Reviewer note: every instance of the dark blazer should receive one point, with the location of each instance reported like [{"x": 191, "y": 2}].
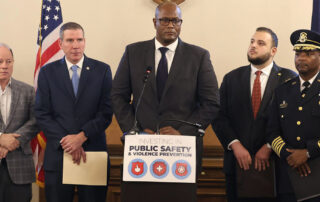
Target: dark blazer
[
  {"x": 190, "y": 93},
  {"x": 22, "y": 121},
  {"x": 236, "y": 119},
  {"x": 289, "y": 108},
  {"x": 59, "y": 112}
]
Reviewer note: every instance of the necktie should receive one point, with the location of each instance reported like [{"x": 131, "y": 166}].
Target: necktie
[
  {"x": 75, "y": 79},
  {"x": 162, "y": 72},
  {"x": 306, "y": 85},
  {"x": 256, "y": 94}
]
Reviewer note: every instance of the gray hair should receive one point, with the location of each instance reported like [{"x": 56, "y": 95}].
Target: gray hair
[{"x": 6, "y": 46}]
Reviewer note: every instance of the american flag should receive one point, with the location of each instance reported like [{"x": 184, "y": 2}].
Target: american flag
[{"x": 48, "y": 51}]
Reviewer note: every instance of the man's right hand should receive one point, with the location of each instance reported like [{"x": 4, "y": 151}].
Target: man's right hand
[
  {"x": 242, "y": 155},
  {"x": 3, "y": 152},
  {"x": 304, "y": 170},
  {"x": 9, "y": 141}
]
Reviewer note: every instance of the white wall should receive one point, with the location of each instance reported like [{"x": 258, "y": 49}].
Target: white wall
[{"x": 222, "y": 27}]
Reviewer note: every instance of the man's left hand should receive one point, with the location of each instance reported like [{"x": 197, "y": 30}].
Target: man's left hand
[
  {"x": 73, "y": 142},
  {"x": 297, "y": 157},
  {"x": 3, "y": 152},
  {"x": 261, "y": 159},
  {"x": 168, "y": 130}
]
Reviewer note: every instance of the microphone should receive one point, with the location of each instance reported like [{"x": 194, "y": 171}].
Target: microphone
[
  {"x": 135, "y": 130},
  {"x": 197, "y": 125}
]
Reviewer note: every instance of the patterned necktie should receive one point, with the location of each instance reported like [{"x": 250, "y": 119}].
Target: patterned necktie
[
  {"x": 306, "y": 85},
  {"x": 162, "y": 72},
  {"x": 256, "y": 94},
  {"x": 75, "y": 79}
]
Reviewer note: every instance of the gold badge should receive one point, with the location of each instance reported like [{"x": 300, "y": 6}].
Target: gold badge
[
  {"x": 283, "y": 104},
  {"x": 303, "y": 37}
]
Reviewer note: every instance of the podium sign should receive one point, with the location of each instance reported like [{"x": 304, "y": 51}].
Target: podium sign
[{"x": 160, "y": 158}]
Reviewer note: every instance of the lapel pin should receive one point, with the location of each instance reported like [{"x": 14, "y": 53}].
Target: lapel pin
[
  {"x": 279, "y": 74},
  {"x": 87, "y": 68},
  {"x": 293, "y": 83},
  {"x": 319, "y": 80}
]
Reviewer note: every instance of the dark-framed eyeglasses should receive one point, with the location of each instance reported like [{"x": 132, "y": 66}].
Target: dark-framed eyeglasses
[{"x": 166, "y": 21}]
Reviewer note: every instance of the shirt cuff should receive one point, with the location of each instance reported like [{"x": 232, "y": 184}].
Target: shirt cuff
[{"x": 233, "y": 141}]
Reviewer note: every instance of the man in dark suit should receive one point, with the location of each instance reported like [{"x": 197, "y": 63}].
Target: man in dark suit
[
  {"x": 73, "y": 108},
  {"x": 182, "y": 85},
  {"x": 17, "y": 128},
  {"x": 245, "y": 96},
  {"x": 295, "y": 114}
]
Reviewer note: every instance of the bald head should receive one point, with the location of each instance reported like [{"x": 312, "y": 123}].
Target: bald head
[
  {"x": 7, "y": 47},
  {"x": 168, "y": 5}
]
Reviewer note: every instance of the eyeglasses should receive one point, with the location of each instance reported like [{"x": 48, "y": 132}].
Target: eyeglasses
[{"x": 166, "y": 21}]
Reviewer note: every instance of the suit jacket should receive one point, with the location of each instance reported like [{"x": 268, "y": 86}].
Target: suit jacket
[
  {"x": 21, "y": 120},
  {"x": 236, "y": 119},
  {"x": 294, "y": 119},
  {"x": 190, "y": 93},
  {"x": 59, "y": 112}
]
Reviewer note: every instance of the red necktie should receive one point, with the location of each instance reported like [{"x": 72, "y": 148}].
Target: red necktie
[{"x": 256, "y": 94}]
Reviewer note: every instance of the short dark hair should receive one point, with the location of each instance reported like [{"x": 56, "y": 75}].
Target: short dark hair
[
  {"x": 273, "y": 35},
  {"x": 6, "y": 46},
  {"x": 68, "y": 26}
]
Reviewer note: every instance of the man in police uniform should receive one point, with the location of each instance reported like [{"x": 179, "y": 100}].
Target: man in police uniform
[{"x": 295, "y": 114}]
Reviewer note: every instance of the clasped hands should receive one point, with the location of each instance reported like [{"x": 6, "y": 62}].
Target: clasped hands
[
  {"x": 167, "y": 130},
  {"x": 8, "y": 142},
  {"x": 298, "y": 160},
  {"x": 72, "y": 144},
  {"x": 261, "y": 159}
]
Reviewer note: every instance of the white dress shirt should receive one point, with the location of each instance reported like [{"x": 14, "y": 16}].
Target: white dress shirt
[
  {"x": 169, "y": 54},
  {"x": 79, "y": 64},
  {"x": 310, "y": 81},
  {"x": 5, "y": 102}
]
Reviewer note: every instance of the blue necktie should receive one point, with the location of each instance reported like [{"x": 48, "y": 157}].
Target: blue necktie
[
  {"x": 162, "y": 72},
  {"x": 75, "y": 79}
]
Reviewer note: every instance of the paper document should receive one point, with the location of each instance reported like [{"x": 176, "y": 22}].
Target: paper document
[{"x": 93, "y": 172}]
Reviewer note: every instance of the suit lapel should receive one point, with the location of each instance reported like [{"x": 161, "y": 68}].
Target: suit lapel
[
  {"x": 246, "y": 90},
  {"x": 63, "y": 73},
  {"x": 272, "y": 83},
  {"x": 313, "y": 91},
  {"x": 149, "y": 55},
  {"x": 14, "y": 100},
  {"x": 85, "y": 72},
  {"x": 176, "y": 66}
]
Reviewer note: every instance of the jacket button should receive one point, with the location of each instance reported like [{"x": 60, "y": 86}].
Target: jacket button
[
  {"x": 298, "y": 138},
  {"x": 298, "y": 123},
  {"x": 300, "y": 108},
  {"x": 282, "y": 116}
]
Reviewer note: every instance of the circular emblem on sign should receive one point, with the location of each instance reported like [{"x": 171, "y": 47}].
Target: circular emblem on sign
[
  {"x": 181, "y": 169},
  {"x": 137, "y": 168},
  {"x": 303, "y": 37},
  {"x": 159, "y": 168}
]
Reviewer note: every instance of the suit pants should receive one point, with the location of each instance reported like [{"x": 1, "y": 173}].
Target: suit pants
[
  {"x": 11, "y": 192},
  {"x": 55, "y": 191},
  {"x": 231, "y": 189}
]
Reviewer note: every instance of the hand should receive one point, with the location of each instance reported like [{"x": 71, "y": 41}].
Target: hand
[
  {"x": 9, "y": 141},
  {"x": 3, "y": 152},
  {"x": 41, "y": 158},
  {"x": 147, "y": 130},
  {"x": 297, "y": 157},
  {"x": 77, "y": 155},
  {"x": 168, "y": 130},
  {"x": 304, "y": 170},
  {"x": 261, "y": 159},
  {"x": 72, "y": 142},
  {"x": 242, "y": 155}
]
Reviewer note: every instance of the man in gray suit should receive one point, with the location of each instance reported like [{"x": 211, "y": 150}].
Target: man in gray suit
[
  {"x": 17, "y": 128},
  {"x": 182, "y": 85}
]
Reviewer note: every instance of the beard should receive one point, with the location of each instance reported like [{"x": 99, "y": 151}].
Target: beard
[{"x": 259, "y": 60}]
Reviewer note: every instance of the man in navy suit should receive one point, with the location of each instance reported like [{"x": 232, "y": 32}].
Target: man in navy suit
[
  {"x": 185, "y": 88},
  {"x": 241, "y": 127},
  {"x": 73, "y": 108}
]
